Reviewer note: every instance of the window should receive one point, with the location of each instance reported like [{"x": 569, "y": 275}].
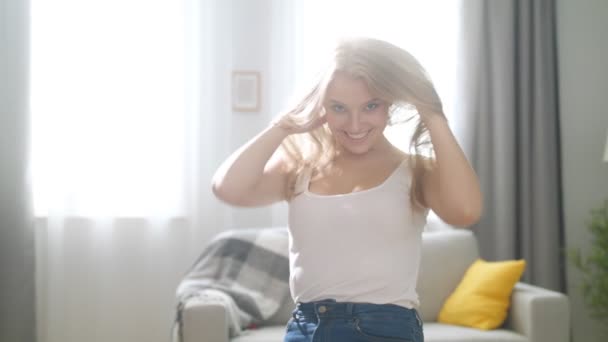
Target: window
[{"x": 107, "y": 103}]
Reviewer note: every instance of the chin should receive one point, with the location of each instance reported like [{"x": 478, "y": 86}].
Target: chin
[
  {"x": 359, "y": 150},
  {"x": 356, "y": 149}
]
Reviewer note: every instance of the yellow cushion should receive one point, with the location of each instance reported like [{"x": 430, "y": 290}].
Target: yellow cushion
[{"x": 482, "y": 298}]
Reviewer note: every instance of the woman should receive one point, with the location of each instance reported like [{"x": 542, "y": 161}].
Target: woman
[{"x": 357, "y": 204}]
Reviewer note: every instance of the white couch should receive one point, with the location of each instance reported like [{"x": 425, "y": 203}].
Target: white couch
[{"x": 535, "y": 314}]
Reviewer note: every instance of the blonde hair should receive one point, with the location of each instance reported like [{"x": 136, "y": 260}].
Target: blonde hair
[{"x": 390, "y": 73}]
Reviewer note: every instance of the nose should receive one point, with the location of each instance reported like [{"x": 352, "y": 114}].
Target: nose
[{"x": 355, "y": 123}]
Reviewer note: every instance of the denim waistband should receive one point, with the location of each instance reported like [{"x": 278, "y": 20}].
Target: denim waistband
[
  {"x": 332, "y": 308},
  {"x": 314, "y": 312}
]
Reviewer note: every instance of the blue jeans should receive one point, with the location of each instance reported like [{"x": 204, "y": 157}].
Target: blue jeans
[{"x": 330, "y": 321}]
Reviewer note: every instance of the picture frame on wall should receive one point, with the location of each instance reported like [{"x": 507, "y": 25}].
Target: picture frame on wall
[{"x": 246, "y": 91}]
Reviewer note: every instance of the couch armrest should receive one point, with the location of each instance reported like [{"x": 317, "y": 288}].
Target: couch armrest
[
  {"x": 204, "y": 322},
  {"x": 540, "y": 314}
]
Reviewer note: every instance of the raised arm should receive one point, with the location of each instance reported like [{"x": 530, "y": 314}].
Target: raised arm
[
  {"x": 249, "y": 177},
  {"x": 451, "y": 188},
  {"x": 256, "y": 174}
]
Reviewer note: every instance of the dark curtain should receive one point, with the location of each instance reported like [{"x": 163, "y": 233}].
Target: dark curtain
[
  {"x": 17, "y": 279},
  {"x": 509, "y": 103}
]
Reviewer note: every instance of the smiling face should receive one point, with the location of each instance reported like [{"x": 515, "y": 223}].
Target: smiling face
[{"x": 356, "y": 117}]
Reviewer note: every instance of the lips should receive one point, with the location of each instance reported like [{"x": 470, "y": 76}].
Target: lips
[{"x": 358, "y": 136}]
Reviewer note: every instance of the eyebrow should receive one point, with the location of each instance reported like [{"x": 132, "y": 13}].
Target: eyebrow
[{"x": 364, "y": 103}]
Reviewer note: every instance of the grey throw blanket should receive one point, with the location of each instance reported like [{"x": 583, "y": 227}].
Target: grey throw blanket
[{"x": 246, "y": 270}]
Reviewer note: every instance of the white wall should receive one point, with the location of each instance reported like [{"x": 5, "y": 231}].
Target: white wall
[
  {"x": 260, "y": 41},
  {"x": 583, "y": 66},
  {"x": 251, "y": 50}
]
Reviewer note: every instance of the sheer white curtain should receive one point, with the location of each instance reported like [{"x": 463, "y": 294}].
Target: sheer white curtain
[
  {"x": 108, "y": 108},
  {"x": 130, "y": 117}
]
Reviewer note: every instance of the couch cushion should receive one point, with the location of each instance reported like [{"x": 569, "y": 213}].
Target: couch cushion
[
  {"x": 274, "y": 333},
  {"x": 482, "y": 298},
  {"x": 433, "y": 332},
  {"x": 446, "y": 255},
  {"x": 283, "y": 314},
  {"x": 438, "y": 332}
]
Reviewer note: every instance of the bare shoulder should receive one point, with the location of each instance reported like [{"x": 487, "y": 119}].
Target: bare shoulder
[
  {"x": 417, "y": 160},
  {"x": 399, "y": 156},
  {"x": 278, "y": 172},
  {"x": 289, "y": 173},
  {"x": 279, "y": 163}
]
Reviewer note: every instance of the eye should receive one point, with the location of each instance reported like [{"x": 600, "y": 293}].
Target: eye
[
  {"x": 371, "y": 106},
  {"x": 338, "y": 108}
]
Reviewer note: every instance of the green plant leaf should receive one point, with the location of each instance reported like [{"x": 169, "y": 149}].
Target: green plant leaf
[{"x": 594, "y": 265}]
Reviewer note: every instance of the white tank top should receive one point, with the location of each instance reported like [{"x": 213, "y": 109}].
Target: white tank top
[{"x": 358, "y": 247}]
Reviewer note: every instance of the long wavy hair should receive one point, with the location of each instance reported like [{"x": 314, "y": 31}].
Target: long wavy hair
[{"x": 392, "y": 74}]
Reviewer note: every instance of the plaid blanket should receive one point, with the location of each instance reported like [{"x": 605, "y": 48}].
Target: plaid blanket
[{"x": 246, "y": 270}]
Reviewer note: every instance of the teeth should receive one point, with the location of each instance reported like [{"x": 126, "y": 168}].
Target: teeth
[{"x": 357, "y": 136}]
